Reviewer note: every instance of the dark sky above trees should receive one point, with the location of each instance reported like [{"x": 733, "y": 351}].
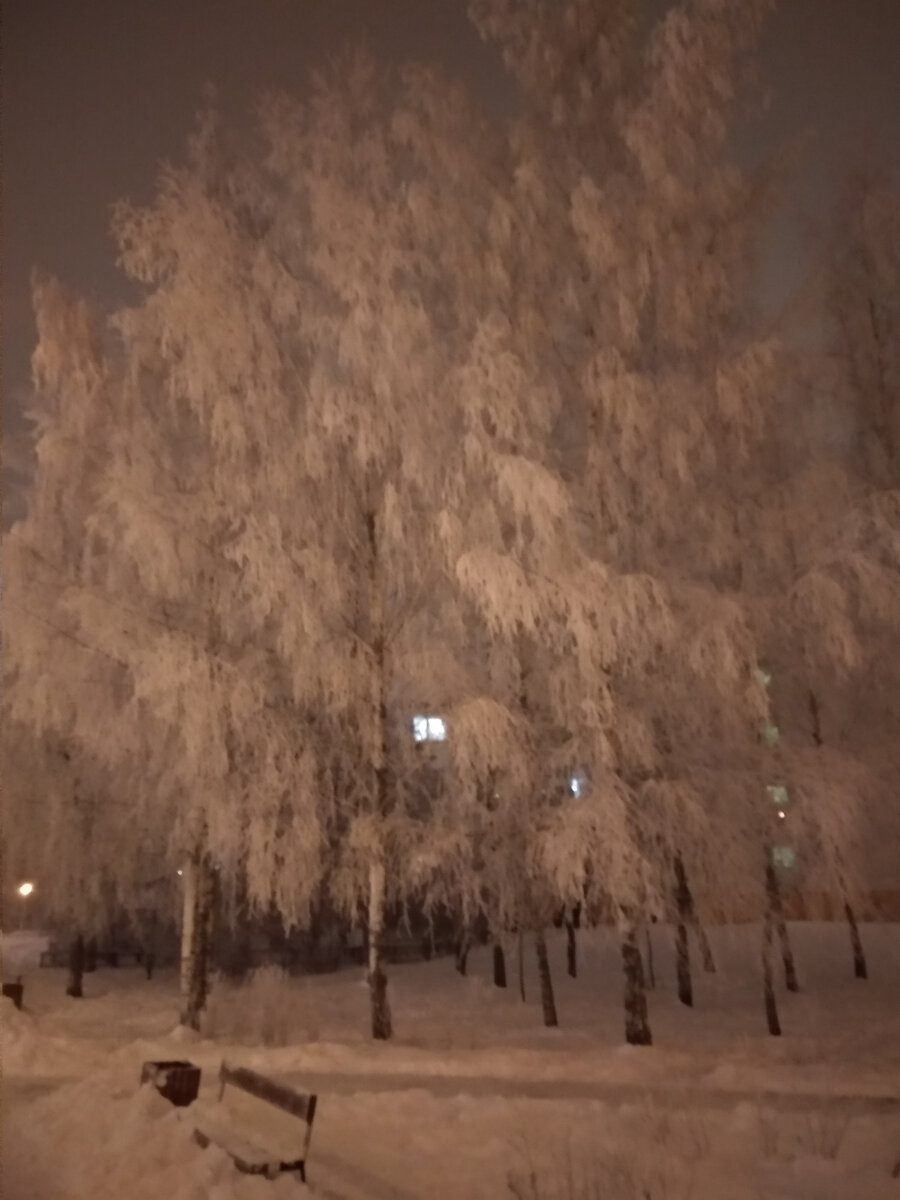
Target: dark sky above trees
[{"x": 97, "y": 92}]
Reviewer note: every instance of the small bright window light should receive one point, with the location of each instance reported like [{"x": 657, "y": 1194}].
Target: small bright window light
[
  {"x": 25, "y": 889},
  {"x": 429, "y": 729},
  {"x": 181, "y": 872},
  {"x": 781, "y": 815},
  {"x": 575, "y": 785}
]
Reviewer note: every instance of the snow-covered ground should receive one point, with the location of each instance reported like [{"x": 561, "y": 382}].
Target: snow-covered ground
[{"x": 474, "y": 1098}]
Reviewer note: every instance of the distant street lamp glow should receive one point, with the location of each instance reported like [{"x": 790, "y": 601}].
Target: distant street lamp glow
[{"x": 25, "y": 889}]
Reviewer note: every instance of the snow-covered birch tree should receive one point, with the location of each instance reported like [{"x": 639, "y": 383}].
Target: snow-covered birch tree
[{"x": 632, "y": 238}]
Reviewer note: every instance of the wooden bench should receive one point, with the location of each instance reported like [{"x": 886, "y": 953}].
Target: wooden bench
[{"x": 258, "y": 1123}]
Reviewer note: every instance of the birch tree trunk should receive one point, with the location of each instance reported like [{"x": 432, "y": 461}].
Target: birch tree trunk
[
  {"x": 382, "y": 1027},
  {"x": 775, "y": 907},
  {"x": 196, "y": 937},
  {"x": 377, "y": 979},
  {"x": 860, "y": 968},
  {"x": 75, "y": 983},
  {"x": 774, "y": 1025},
  {"x": 499, "y": 966},
  {"x": 637, "y": 1025},
  {"x": 548, "y": 1002},
  {"x": 683, "y": 904}
]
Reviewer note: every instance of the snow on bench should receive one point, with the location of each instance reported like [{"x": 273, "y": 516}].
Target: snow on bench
[{"x": 257, "y": 1124}]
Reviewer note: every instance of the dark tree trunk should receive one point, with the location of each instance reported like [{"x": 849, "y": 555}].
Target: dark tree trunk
[
  {"x": 90, "y": 955},
  {"x": 683, "y": 965},
  {"x": 637, "y": 1026},
  {"x": 651, "y": 974},
  {"x": 522, "y": 965},
  {"x": 776, "y": 909},
  {"x": 74, "y": 987},
  {"x": 571, "y": 948},
  {"x": 684, "y": 904},
  {"x": 382, "y": 1026},
  {"x": 548, "y": 1003},
  {"x": 690, "y": 910},
  {"x": 772, "y": 1021},
  {"x": 149, "y": 963},
  {"x": 706, "y": 954},
  {"x": 463, "y": 945},
  {"x": 499, "y": 966},
  {"x": 860, "y": 969}
]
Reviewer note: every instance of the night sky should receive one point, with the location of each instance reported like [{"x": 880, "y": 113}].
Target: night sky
[{"x": 97, "y": 93}]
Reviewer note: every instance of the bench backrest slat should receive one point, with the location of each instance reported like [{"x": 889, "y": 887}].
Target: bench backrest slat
[{"x": 282, "y": 1097}]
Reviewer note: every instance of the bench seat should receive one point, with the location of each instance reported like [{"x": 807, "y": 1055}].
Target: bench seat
[{"x": 262, "y": 1125}]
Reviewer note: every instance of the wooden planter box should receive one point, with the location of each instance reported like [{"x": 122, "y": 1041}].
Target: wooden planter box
[{"x": 179, "y": 1082}]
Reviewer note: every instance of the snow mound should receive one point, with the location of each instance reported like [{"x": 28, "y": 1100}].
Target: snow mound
[{"x": 111, "y": 1139}]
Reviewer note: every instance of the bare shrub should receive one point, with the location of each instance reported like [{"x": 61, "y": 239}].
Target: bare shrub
[
  {"x": 588, "y": 1176},
  {"x": 822, "y": 1133},
  {"x": 767, "y": 1124},
  {"x": 264, "y": 1008}
]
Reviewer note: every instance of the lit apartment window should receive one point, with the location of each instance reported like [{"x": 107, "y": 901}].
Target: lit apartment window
[
  {"x": 778, "y": 794},
  {"x": 429, "y": 729},
  {"x": 784, "y": 856},
  {"x": 764, "y": 677}
]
